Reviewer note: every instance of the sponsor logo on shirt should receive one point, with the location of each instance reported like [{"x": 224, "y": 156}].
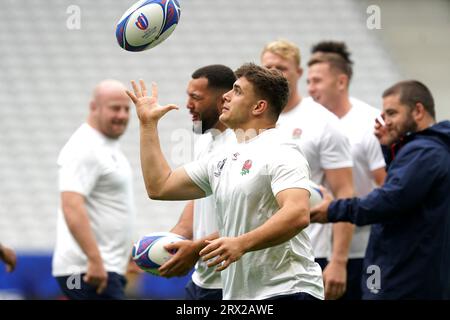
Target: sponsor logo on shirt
[
  {"x": 219, "y": 167},
  {"x": 246, "y": 167}
]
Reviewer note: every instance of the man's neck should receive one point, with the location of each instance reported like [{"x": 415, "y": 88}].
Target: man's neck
[
  {"x": 294, "y": 100},
  {"x": 340, "y": 106},
  {"x": 251, "y": 130},
  {"x": 425, "y": 124},
  {"x": 220, "y": 126}
]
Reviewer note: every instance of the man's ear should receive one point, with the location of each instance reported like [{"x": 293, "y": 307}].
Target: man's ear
[
  {"x": 419, "y": 111},
  {"x": 92, "y": 106},
  {"x": 220, "y": 100},
  {"x": 260, "y": 107},
  {"x": 343, "y": 82},
  {"x": 299, "y": 72}
]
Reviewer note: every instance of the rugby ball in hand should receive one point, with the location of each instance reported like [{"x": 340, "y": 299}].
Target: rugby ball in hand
[
  {"x": 316, "y": 195},
  {"x": 147, "y": 23},
  {"x": 149, "y": 253}
]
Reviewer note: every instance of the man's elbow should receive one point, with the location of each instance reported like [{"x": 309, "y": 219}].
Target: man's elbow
[
  {"x": 155, "y": 195},
  {"x": 304, "y": 223},
  {"x": 303, "y": 220}
]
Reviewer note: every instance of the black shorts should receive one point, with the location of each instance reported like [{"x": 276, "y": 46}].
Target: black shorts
[
  {"x": 194, "y": 292},
  {"x": 74, "y": 287}
]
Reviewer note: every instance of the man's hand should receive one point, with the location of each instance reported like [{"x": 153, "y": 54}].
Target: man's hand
[
  {"x": 224, "y": 250},
  {"x": 147, "y": 108},
  {"x": 381, "y": 131},
  {"x": 96, "y": 275},
  {"x": 182, "y": 261},
  {"x": 335, "y": 279},
  {"x": 8, "y": 256},
  {"x": 319, "y": 214}
]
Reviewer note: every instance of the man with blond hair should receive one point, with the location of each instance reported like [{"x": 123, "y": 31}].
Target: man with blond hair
[{"x": 317, "y": 131}]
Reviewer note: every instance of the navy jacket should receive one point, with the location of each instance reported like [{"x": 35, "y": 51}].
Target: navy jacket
[{"x": 408, "y": 255}]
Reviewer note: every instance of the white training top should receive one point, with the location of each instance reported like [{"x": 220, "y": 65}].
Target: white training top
[
  {"x": 358, "y": 125},
  {"x": 93, "y": 166},
  {"x": 205, "y": 221},
  {"x": 245, "y": 180},
  {"x": 318, "y": 133}
]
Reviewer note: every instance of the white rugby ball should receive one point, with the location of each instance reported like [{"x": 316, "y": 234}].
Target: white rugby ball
[
  {"x": 316, "y": 195},
  {"x": 147, "y": 23},
  {"x": 149, "y": 252}
]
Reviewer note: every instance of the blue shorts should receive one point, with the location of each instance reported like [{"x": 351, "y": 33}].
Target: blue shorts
[
  {"x": 115, "y": 289},
  {"x": 194, "y": 292}
]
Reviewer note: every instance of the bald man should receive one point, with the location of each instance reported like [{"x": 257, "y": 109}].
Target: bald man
[{"x": 96, "y": 213}]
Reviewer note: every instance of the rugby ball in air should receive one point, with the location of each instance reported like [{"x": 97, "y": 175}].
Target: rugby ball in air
[
  {"x": 147, "y": 23},
  {"x": 149, "y": 252}
]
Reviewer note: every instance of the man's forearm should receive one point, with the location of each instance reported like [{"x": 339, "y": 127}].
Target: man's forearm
[
  {"x": 342, "y": 187},
  {"x": 80, "y": 228},
  {"x": 155, "y": 168},
  {"x": 184, "y": 226},
  {"x": 342, "y": 238}
]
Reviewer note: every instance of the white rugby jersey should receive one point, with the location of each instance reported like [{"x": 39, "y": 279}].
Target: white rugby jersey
[
  {"x": 245, "y": 180},
  {"x": 318, "y": 133},
  {"x": 358, "y": 125},
  {"x": 94, "y": 166}
]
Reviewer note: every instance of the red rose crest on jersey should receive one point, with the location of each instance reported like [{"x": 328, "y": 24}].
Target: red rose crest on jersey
[
  {"x": 246, "y": 167},
  {"x": 296, "y": 134}
]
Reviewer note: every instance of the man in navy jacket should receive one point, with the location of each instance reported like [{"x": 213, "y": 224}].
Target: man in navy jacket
[{"x": 408, "y": 255}]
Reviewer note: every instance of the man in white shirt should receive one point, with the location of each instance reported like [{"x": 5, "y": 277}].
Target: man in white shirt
[
  {"x": 317, "y": 131},
  {"x": 329, "y": 74},
  {"x": 96, "y": 215},
  {"x": 198, "y": 221},
  {"x": 261, "y": 189}
]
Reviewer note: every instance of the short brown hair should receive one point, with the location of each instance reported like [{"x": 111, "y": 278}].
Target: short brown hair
[
  {"x": 410, "y": 93},
  {"x": 335, "y": 53},
  {"x": 270, "y": 85}
]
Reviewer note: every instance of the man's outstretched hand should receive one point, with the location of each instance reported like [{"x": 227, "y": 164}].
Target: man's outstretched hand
[{"x": 147, "y": 108}]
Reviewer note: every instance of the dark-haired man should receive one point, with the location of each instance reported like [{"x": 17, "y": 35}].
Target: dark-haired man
[
  {"x": 260, "y": 185},
  {"x": 408, "y": 254},
  {"x": 330, "y": 71},
  {"x": 198, "y": 221}
]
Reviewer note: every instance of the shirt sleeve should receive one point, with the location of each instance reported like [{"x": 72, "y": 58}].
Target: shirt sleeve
[
  {"x": 79, "y": 173},
  {"x": 289, "y": 169},
  {"x": 335, "y": 150},
  {"x": 198, "y": 172},
  {"x": 409, "y": 181},
  {"x": 373, "y": 151}
]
